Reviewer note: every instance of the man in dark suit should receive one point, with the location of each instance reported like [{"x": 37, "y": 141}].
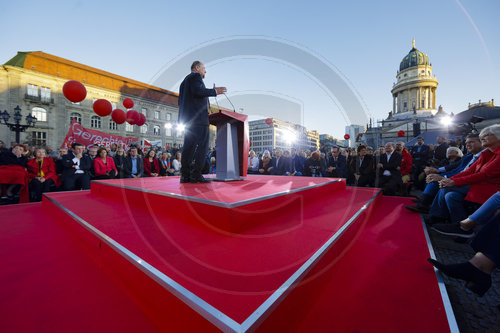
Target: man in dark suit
[
  {"x": 362, "y": 167},
  {"x": 76, "y": 167},
  {"x": 279, "y": 164},
  {"x": 338, "y": 164},
  {"x": 420, "y": 155},
  {"x": 440, "y": 150},
  {"x": 297, "y": 163},
  {"x": 389, "y": 169},
  {"x": 193, "y": 114},
  {"x": 133, "y": 164}
]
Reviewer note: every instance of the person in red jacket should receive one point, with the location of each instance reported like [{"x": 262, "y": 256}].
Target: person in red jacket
[
  {"x": 104, "y": 165},
  {"x": 476, "y": 184},
  {"x": 151, "y": 165},
  {"x": 406, "y": 161},
  {"x": 42, "y": 174}
]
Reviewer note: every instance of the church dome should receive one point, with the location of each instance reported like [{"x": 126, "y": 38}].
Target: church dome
[{"x": 414, "y": 58}]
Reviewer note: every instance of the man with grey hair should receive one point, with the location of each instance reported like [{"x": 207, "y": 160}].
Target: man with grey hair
[
  {"x": 389, "y": 169},
  {"x": 193, "y": 114}
]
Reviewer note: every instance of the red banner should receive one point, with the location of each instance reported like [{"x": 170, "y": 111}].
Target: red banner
[{"x": 88, "y": 137}]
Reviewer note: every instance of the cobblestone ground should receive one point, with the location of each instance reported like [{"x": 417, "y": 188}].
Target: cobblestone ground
[{"x": 473, "y": 313}]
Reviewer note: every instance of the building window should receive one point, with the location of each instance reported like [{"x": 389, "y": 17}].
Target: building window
[
  {"x": 32, "y": 90},
  {"x": 45, "y": 94},
  {"x": 144, "y": 129},
  {"x": 405, "y": 106},
  {"x": 39, "y": 113},
  {"x": 423, "y": 103},
  {"x": 157, "y": 114},
  {"x": 169, "y": 116},
  {"x": 112, "y": 125},
  {"x": 156, "y": 130},
  {"x": 95, "y": 122},
  {"x": 129, "y": 128},
  {"x": 76, "y": 116},
  {"x": 38, "y": 139},
  {"x": 144, "y": 111},
  {"x": 168, "y": 131}
]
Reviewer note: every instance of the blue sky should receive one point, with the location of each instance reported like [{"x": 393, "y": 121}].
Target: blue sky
[{"x": 363, "y": 40}]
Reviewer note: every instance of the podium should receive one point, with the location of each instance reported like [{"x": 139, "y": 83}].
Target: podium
[{"x": 232, "y": 145}]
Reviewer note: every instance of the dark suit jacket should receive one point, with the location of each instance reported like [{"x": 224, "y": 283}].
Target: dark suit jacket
[
  {"x": 127, "y": 169},
  {"x": 340, "y": 167},
  {"x": 193, "y": 101},
  {"x": 391, "y": 166},
  {"x": 420, "y": 158},
  {"x": 284, "y": 166},
  {"x": 298, "y": 163},
  {"x": 67, "y": 164},
  {"x": 365, "y": 169},
  {"x": 440, "y": 151}
]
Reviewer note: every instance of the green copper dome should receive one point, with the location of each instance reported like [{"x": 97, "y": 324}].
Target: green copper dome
[{"x": 414, "y": 58}]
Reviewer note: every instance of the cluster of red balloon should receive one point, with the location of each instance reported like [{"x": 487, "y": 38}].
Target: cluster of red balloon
[
  {"x": 401, "y": 133},
  {"x": 75, "y": 92},
  {"x": 347, "y": 137}
]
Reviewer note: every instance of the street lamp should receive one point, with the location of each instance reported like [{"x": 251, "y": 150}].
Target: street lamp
[{"x": 16, "y": 126}]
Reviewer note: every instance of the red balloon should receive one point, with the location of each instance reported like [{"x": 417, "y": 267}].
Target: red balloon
[
  {"x": 118, "y": 116},
  {"x": 128, "y": 103},
  {"x": 74, "y": 91},
  {"x": 347, "y": 136},
  {"x": 142, "y": 120},
  {"x": 269, "y": 121},
  {"x": 132, "y": 117},
  {"x": 250, "y": 143},
  {"x": 102, "y": 107},
  {"x": 401, "y": 133}
]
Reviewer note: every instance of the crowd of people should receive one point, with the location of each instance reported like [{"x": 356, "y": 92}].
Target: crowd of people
[
  {"x": 28, "y": 172},
  {"x": 460, "y": 181}
]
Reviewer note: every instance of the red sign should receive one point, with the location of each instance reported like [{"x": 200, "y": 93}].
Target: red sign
[{"x": 87, "y": 137}]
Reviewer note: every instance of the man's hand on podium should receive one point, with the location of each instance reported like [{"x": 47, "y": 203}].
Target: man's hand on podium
[{"x": 220, "y": 90}]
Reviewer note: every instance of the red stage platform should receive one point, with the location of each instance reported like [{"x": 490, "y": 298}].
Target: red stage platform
[{"x": 268, "y": 254}]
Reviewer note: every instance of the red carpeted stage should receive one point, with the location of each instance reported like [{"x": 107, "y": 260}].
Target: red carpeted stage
[{"x": 267, "y": 254}]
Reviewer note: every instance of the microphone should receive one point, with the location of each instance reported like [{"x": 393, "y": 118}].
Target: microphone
[{"x": 234, "y": 110}]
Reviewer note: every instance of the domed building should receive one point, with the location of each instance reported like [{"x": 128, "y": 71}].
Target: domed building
[{"x": 414, "y": 93}]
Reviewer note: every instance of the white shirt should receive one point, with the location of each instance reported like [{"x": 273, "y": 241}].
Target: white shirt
[
  {"x": 77, "y": 165},
  {"x": 253, "y": 163},
  {"x": 387, "y": 172}
]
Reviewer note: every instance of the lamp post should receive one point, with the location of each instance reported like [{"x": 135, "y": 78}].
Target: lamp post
[{"x": 16, "y": 126}]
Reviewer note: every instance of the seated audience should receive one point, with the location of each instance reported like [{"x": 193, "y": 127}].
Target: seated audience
[
  {"x": 253, "y": 163},
  {"x": 176, "y": 163},
  {"x": 476, "y": 184},
  {"x": 406, "y": 161},
  {"x": 166, "y": 165},
  {"x": 13, "y": 172},
  {"x": 42, "y": 174},
  {"x": 474, "y": 149},
  {"x": 265, "y": 164},
  {"x": 76, "y": 168},
  {"x": 313, "y": 166},
  {"x": 297, "y": 161},
  {"x": 134, "y": 166},
  {"x": 420, "y": 156},
  {"x": 119, "y": 160},
  {"x": 388, "y": 169},
  {"x": 104, "y": 165},
  {"x": 337, "y": 167},
  {"x": 477, "y": 271},
  {"x": 480, "y": 216},
  {"x": 151, "y": 165},
  {"x": 361, "y": 168}
]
